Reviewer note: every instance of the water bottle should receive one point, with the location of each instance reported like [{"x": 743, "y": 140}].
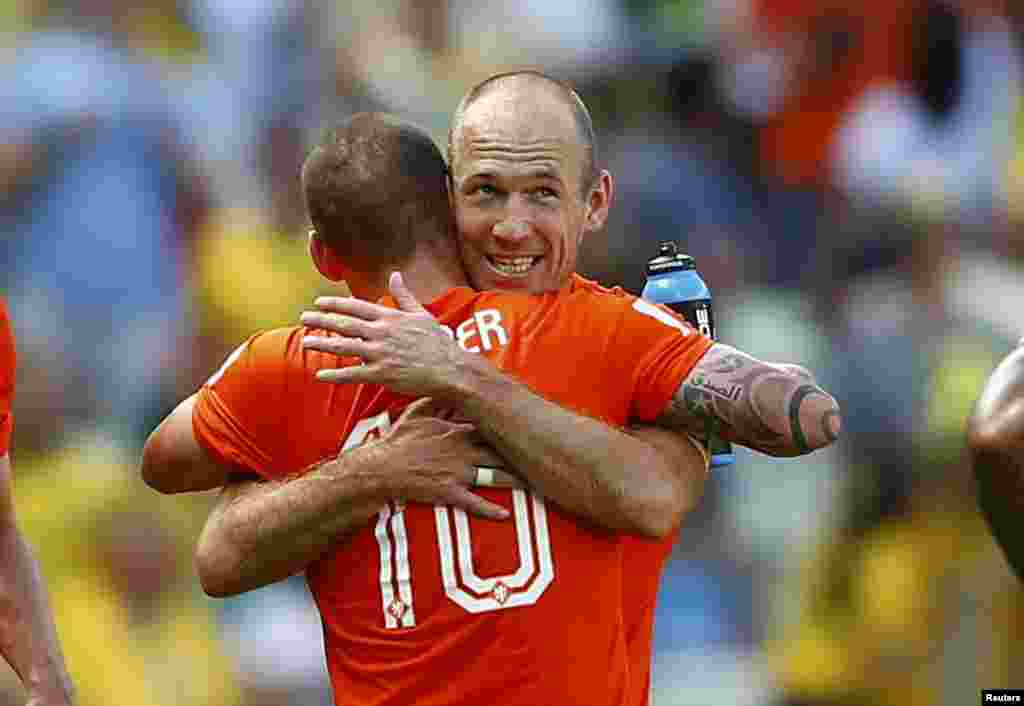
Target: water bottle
[{"x": 673, "y": 280}]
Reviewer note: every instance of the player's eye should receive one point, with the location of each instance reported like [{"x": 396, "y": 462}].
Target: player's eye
[
  {"x": 483, "y": 190},
  {"x": 545, "y": 192}
]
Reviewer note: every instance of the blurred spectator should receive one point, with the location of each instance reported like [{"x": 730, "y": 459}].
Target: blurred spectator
[
  {"x": 941, "y": 141},
  {"x": 137, "y": 628},
  {"x": 95, "y": 245},
  {"x": 901, "y": 592},
  {"x": 799, "y": 65},
  {"x": 276, "y": 638},
  {"x": 264, "y": 69},
  {"x": 248, "y": 277},
  {"x": 906, "y": 101}
]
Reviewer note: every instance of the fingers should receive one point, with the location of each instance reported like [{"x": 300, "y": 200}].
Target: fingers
[
  {"x": 342, "y": 346},
  {"x": 475, "y": 505},
  {"x": 345, "y": 325},
  {"x": 350, "y": 306},
  {"x": 426, "y": 407},
  {"x": 405, "y": 299},
  {"x": 352, "y": 375}
]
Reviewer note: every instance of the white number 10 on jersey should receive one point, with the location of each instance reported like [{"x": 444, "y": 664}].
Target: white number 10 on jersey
[{"x": 475, "y": 594}]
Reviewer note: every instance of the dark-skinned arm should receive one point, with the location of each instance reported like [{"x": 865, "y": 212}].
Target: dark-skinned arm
[{"x": 995, "y": 437}]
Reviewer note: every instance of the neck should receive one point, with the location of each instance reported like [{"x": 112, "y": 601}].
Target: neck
[{"x": 431, "y": 271}]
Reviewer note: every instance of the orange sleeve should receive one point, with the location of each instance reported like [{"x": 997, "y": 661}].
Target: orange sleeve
[
  {"x": 8, "y": 364},
  {"x": 240, "y": 413},
  {"x": 660, "y": 349}
]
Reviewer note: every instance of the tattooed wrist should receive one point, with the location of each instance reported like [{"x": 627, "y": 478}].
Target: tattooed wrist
[
  {"x": 827, "y": 419},
  {"x": 799, "y": 438}
]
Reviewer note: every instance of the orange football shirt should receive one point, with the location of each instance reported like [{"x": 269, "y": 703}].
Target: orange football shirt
[
  {"x": 7, "y": 365},
  {"x": 427, "y": 605}
]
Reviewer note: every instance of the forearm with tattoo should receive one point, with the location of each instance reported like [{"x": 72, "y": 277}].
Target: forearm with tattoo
[{"x": 775, "y": 409}]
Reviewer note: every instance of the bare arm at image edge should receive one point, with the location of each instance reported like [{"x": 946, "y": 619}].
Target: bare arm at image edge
[
  {"x": 995, "y": 436},
  {"x": 28, "y": 638}
]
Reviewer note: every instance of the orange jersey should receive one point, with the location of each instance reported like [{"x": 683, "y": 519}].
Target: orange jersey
[
  {"x": 7, "y": 365},
  {"x": 427, "y": 605}
]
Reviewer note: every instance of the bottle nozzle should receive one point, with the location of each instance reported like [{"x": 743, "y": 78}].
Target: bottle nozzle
[{"x": 668, "y": 249}]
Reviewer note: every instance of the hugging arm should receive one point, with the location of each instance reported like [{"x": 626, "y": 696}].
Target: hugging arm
[
  {"x": 995, "y": 436},
  {"x": 618, "y": 480},
  {"x": 264, "y": 531},
  {"x": 174, "y": 462},
  {"x": 588, "y": 468},
  {"x": 776, "y": 409},
  {"x": 260, "y": 532}
]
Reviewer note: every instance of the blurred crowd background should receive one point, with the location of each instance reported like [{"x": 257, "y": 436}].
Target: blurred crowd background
[{"x": 848, "y": 175}]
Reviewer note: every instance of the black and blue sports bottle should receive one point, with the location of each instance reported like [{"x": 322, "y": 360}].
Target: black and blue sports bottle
[{"x": 673, "y": 280}]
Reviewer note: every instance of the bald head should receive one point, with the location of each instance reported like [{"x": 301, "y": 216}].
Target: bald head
[
  {"x": 375, "y": 188},
  {"x": 539, "y": 101}
]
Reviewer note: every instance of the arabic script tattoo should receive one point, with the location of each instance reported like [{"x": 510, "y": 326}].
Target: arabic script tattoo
[{"x": 774, "y": 409}]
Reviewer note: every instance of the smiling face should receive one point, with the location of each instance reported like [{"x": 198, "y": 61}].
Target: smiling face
[{"x": 521, "y": 205}]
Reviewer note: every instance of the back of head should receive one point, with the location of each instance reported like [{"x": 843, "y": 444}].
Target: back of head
[{"x": 375, "y": 189}]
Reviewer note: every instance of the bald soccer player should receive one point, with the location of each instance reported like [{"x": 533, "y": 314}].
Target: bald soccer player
[{"x": 462, "y": 333}]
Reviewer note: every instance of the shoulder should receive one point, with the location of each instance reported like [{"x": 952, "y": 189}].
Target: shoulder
[
  {"x": 273, "y": 363},
  {"x": 271, "y": 353},
  {"x": 579, "y": 284},
  {"x": 590, "y": 294}
]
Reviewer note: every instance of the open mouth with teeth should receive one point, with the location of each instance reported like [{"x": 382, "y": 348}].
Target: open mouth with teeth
[{"x": 513, "y": 266}]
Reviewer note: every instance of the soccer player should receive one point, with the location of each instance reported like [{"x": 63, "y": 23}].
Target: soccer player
[
  {"x": 995, "y": 435},
  {"x": 28, "y": 639},
  {"x": 249, "y": 361},
  {"x": 526, "y": 191},
  {"x": 424, "y": 605}
]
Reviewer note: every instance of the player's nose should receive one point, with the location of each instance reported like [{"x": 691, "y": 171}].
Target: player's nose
[{"x": 511, "y": 230}]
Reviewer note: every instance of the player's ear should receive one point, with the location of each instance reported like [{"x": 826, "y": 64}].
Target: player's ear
[
  {"x": 327, "y": 263},
  {"x": 598, "y": 202}
]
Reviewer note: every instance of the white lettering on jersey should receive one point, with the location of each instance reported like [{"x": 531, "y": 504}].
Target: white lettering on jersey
[
  {"x": 483, "y": 329},
  {"x": 475, "y": 594},
  {"x": 228, "y": 362},
  {"x": 465, "y": 332},
  {"x": 654, "y": 312},
  {"x": 488, "y": 321}
]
